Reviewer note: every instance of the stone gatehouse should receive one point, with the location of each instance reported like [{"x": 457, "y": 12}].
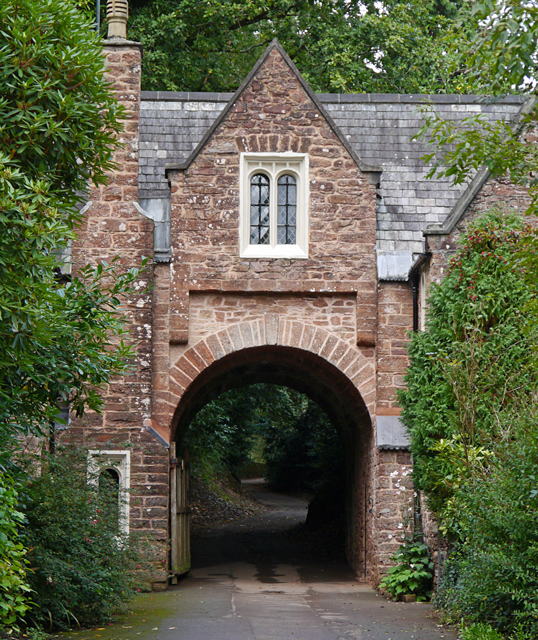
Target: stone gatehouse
[{"x": 291, "y": 238}]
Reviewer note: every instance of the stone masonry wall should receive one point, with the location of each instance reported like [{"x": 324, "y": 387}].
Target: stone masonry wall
[
  {"x": 335, "y": 288},
  {"x": 394, "y": 492},
  {"x": 394, "y": 322},
  {"x": 274, "y": 113},
  {"x": 113, "y": 228},
  {"x": 392, "y": 484},
  {"x": 208, "y": 313}
]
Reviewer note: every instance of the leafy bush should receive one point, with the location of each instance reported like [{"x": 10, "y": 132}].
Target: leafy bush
[
  {"x": 14, "y": 588},
  {"x": 471, "y": 411},
  {"x": 479, "y": 631},
  {"x": 474, "y": 367},
  {"x": 492, "y": 574},
  {"x": 412, "y": 572},
  {"x": 81, "y": 562}
]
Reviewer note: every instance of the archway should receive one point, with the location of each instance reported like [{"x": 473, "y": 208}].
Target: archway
[{"x": 329, "y": 371}]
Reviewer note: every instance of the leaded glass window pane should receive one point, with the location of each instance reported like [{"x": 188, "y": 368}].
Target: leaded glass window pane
[
  {"x": 259, "y": 209},
  {"x": 287, "y": 210}
]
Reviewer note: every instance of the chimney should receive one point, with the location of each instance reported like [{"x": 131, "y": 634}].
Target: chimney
[{"x": 117, "y": 12}]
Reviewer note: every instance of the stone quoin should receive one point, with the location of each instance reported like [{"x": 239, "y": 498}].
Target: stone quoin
[{"x": 328, "y": 315}]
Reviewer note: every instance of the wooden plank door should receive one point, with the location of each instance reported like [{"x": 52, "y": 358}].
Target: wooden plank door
[{"x": 180, "y": 514}]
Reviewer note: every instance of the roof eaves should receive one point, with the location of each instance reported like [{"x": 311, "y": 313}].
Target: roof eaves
[{"x": 475, "y": 185}]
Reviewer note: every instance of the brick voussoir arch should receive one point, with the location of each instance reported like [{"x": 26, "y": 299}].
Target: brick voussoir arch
[{"x": 290, "y": 333}]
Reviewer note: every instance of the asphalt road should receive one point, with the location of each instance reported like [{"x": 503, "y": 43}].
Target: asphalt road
[{"x": 256, "y": 579}]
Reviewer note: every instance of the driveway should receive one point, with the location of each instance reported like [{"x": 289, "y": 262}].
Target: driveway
[{"x": 256, "y": 579}]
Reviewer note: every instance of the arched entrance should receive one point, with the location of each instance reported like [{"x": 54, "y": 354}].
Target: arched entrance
[{"x": 314, "y": 362}]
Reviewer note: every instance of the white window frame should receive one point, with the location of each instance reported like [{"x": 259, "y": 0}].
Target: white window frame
[
  {"x": 119, "y": 461},
  {"x": 274, "y": 165}
]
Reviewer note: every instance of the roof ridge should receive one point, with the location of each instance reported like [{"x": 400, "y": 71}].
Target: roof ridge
[{"x": 340, "y": 98}]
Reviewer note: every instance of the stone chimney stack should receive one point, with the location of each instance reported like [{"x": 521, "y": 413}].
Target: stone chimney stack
[
  {"x": 117, "y": 12},
  {"x": 114, "y": 227}
]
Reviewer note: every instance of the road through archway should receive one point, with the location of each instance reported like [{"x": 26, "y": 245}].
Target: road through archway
[{"x": 327, "y": 386}]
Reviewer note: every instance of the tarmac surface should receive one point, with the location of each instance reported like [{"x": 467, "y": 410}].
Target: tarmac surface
[{"x": 255, "y": 579}]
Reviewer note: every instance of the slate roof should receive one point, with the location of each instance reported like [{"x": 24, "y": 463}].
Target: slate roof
[{"x": 378, "y": 127}]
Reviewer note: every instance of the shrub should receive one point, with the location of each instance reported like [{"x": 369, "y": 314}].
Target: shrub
[
  {"x": 14, "y": 588},
  {"x": 474, "y": 367},
  {"x": 412, "y": 572},
  {"x": 470, "y": 408},
  {"x": 479, "y": 631},
  {"x": 491, "y": 576},
  {"x": 81, "y": 562}
]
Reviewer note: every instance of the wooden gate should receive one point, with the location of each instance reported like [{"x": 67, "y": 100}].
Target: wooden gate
[{"x": 180, "y": 514}]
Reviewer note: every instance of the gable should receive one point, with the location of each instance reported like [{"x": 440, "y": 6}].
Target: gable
[
  {"x": 377, "y": 128},
  {"x": 275, "y": 74}
]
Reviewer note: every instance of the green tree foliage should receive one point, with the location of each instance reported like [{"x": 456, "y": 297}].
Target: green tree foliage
[
  {"x": 474, "y": 366},
  {"x": 303, "y": 450},
  {"x": 81, "y": 562},
  {"x": 502, "y": 57},
  {"x": 58, "y": 126},
  {"x": 222, "y": 433},
  {"x": 339, "y": 46},
  {"x": 301, "y": 447},
  {"x": 470, "y": 407},
  {"x": 60, "y": 338},
  {"x": 14, "y": 590}
]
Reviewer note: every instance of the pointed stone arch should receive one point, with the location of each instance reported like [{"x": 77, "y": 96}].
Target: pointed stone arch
[
  {"x": 354, "y": 364},
  {"x": 337, "y": 375}
]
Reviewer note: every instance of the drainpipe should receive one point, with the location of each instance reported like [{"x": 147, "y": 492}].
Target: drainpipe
[
  {"x": 414, "y": 277},
  {"x": 415, "y": 285}
]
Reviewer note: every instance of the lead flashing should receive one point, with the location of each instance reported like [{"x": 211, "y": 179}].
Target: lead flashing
[{"x": 391, "y": 433}]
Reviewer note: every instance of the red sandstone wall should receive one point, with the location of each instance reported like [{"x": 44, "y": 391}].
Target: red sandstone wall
[
  {"x": 390, "y": 479},
  {"x": 114, "y": 228},
  {"x": 338, "y": 280},
  {"x": 209, "y": 312},
  {"x": 208, "y": 286},
  {"x": 335, "y": 288},
  {"x": 394, "y": 322}
]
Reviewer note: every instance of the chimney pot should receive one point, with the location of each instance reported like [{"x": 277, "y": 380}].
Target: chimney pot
[{"x": 117, "y": 12}]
